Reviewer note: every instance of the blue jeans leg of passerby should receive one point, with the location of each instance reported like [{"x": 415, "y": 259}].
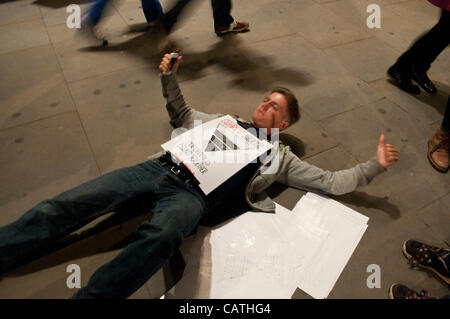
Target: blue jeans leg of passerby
[
  {"x": 152, "y": 10},
  {"x": 95, "y": 12},
  {"x": 41, "y": 226}
]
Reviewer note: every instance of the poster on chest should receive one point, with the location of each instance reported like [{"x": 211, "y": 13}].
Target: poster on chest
[{"x": 216, "y": 150}]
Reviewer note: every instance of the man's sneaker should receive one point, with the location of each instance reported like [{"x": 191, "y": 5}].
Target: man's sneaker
[
  {"x": 432, "y": 258},
  {"x": 92, "y": 35},
  {"x": 399, "y": 291},
  {"x": 233, "y": 27}
]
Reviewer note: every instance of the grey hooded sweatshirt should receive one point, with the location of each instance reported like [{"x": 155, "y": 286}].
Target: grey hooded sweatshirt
[{"x": 289, "y": 169}]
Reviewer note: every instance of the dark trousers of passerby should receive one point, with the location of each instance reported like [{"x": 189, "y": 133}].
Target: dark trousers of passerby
[
  {"x": 221, "y": 13},
  {"x": 427, "y": 47}
]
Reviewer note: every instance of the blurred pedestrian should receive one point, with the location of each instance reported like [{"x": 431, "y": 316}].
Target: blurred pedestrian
[
  {"x": 223, "y": 20},
  {"x": 412, "y": 66},
  {"x": 152, "y": 10}
]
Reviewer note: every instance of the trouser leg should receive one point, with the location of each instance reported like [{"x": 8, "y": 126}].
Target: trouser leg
[
  {"x": 170, "y": 18},
  {"x": 428, "y": 46},
  {"x": 96, "y": 12},
  {"x": 35, "y": 231},
  {"x": 174, "y": 216},
  {"x": 222, "y": 13},
  {"x": 152, "y": 10}
]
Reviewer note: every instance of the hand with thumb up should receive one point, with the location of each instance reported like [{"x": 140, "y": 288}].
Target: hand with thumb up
[{"x": 387, "y": 154}]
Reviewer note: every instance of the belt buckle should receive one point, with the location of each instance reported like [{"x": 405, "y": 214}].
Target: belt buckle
[{"x": 172, "y": 169}]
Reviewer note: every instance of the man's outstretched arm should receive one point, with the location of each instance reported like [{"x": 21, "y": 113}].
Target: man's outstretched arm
[
  {"x": 181, "y": 114},
  {"x": 305, "y": 176}
]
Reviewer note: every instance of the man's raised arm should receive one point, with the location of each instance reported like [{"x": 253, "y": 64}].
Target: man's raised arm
[{"x": 181, "y": 114}]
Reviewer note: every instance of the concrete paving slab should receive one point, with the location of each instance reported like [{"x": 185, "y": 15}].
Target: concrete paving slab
[
  {"x": 81, "y": 59},
  {"x": 367, "y": 66},
  {"x": 35, "y": 87},
  {"x": 358, "y": 130},
  {"x": 395, "y": 30},
  {"x": 18, "y": 11},
  {"x": 436, "y": 216},
  {"x": 260, "y": 30},
  {"x": 40, "y": 160},
  {"x": 341, "y": 159},
  {"x": 328, "y": 31},
  {"x": 384, "y": 251},
  {"x": 439, "y": 71},
  {"x": 343, "y": 93},
  {"x": 417, "y": 11},
  {"x": 124, "y": 116},
  {"x": 22, "y": 35},
  {"x": 424, "y": 108}
]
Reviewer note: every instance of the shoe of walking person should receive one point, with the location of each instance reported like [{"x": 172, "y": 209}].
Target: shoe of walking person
[
  {"x": 92, "y": 34},
  {"x": 235, "y": 26},
  {"x": 431, "y": 258},
  {"x": 438, "y": 150},
  {"x": 403, "y": 79},
  {"x": 399, "y": 291},
  {"x": 422, "y": 79}
]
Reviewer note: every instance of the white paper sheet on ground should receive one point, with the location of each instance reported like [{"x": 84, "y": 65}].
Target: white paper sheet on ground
[
  {"x": 255, "y": 255},
  {"x": 216, "y": 150},
  {"x": 260, "y": 255},
  {"x": 346, "y": 228}
]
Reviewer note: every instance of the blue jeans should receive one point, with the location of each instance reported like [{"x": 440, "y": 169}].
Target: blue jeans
[
  {"x": 176, "y": 210},
  {"x": 152, "y": 10}
]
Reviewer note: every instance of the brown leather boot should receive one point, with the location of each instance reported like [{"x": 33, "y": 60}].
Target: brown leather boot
[{"x": 438, "y": 150}]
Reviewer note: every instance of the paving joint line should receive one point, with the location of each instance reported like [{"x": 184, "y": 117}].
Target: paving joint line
[{"x": 72, "y": 98}]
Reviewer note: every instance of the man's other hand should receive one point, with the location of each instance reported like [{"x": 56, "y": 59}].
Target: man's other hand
[
  {"x": 387, "y": 154},
  {"x": 164, "y": 66}
]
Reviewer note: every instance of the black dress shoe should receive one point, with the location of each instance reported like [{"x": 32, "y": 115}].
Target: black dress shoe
[
  {"x": 424, "y": 81},
  {"x": 403, "y": 80}
]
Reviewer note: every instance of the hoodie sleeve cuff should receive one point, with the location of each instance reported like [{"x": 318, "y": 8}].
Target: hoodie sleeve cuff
[{"x": 372, "y": 168}]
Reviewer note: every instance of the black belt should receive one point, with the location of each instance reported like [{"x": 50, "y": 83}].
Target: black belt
[{"x": 181, "y": 171}]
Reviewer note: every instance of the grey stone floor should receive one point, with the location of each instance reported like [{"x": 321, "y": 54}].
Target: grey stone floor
[{"x": 71, "y": 112}]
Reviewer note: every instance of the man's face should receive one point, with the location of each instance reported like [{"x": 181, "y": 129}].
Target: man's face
[{"x": 271, "y": 113}]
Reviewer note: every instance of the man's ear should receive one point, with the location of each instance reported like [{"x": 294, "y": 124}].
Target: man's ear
[{"x": 284, "y": 125}]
